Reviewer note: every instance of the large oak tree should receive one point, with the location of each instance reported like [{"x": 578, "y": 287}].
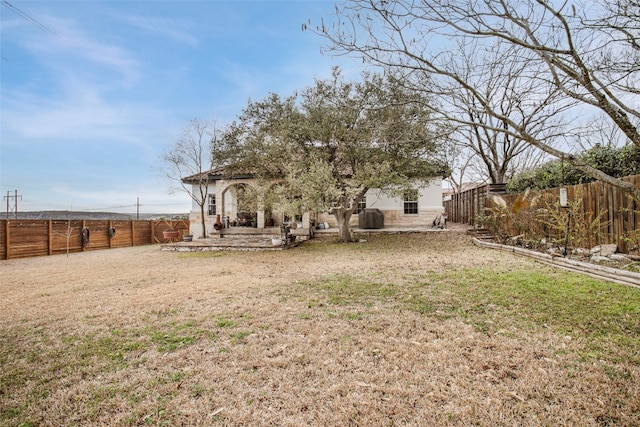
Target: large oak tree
[{"x": 333, "y": 141}]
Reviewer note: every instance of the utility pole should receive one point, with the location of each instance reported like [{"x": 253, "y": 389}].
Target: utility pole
[
  {"x": 12, "y": 203},
  {"x": 138, "y": 208}
]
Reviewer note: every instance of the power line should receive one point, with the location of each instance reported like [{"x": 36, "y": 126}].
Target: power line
[
  {"x": 109, "y": 207},
  {"x": 26, "y": 16},
  {"x": 137, "y": 204},
  {"x": 165, "y": 204}
]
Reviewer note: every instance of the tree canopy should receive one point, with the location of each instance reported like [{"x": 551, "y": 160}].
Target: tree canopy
[{"x": 331, "y": 142}]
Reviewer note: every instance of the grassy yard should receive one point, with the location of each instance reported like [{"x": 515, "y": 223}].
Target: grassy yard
[{"x": 421, "y": 329}]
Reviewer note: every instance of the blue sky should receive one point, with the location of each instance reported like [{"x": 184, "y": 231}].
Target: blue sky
[{"x": 92, "y": 92}]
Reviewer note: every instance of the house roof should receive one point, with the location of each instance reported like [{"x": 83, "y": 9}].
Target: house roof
[{"x": 214, "y": 175}]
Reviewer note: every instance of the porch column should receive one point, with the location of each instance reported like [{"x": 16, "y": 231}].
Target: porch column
[
  {"x": 260, "y": 219},
  {"x": 306, "y": 220},
  {"x": 260, "y": 212}
]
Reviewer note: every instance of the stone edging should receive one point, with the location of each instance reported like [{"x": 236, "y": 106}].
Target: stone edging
[{"x": 598, "y": 271}]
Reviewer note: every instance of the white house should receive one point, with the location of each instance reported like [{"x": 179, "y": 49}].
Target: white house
[{"x": 417, "y": 208}]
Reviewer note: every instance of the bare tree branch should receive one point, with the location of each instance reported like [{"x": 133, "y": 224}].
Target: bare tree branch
[
  {"x": 563, "y": 56},
  {"x": 190, "y": 158}
]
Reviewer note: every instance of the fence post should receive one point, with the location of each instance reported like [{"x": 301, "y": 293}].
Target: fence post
[
  {"x": 83, "y": 224},
  {"x": 110, "y": 224},
  {"x": 50, "y": 240},
  {"x": 7, "y": 240}
]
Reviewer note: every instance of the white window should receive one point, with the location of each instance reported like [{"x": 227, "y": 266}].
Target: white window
[
  {"x": 212, "y": 205},
  {"x": 411, "y": 202}
]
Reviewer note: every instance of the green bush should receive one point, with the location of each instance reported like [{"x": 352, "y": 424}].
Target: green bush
[{"x": 616, "y": 162}]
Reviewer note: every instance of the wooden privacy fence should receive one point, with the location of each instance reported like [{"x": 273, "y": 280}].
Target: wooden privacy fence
[
  {"x": 29, "y": 238},
  {"x": 466, "y": 205},
  {"x": 610, "y": 210}
]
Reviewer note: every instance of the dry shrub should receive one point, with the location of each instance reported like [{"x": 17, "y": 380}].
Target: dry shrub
[
  {"x": 518, "y": 218},
  {"x": 536, "y": 220},
  {"x": 584, "y": 227}
]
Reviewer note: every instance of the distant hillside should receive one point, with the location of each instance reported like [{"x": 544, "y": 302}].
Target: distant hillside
[{"x": 93, "y": 215}]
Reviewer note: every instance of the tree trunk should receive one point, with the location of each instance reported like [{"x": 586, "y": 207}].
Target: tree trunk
[
  {"x": 204, "y": 226},
  {"x": 342, "y": 217}
]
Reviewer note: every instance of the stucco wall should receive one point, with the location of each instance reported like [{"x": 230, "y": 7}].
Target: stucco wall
[
  {"x": 194, "y": 216},
  {"x": 429, "y": 205}
]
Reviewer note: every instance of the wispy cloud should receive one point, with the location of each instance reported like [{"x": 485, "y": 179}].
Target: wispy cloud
[
  {"x": 81, "y": 49},
  {"x": 76, "y": 115},
  {"x": 81, "y": 94},
  {"x": 171, "y": 28},
  {"x": 246, "y": 79}
]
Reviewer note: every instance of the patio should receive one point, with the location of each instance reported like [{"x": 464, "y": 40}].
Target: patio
[{"x": 248, "y": 239}]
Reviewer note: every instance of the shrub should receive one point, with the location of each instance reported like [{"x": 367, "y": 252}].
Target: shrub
[
  {"x": 616, "y": 162},
  {"x": 535, "y": 220}
]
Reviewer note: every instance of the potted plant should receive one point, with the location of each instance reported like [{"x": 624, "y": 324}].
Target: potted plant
[
  {"x": 268, "y": 218},
  {"x": 170, "y": 234}
]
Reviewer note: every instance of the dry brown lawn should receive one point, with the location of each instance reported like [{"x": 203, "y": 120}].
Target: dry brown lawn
[{"x": 400, "y": 330}]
